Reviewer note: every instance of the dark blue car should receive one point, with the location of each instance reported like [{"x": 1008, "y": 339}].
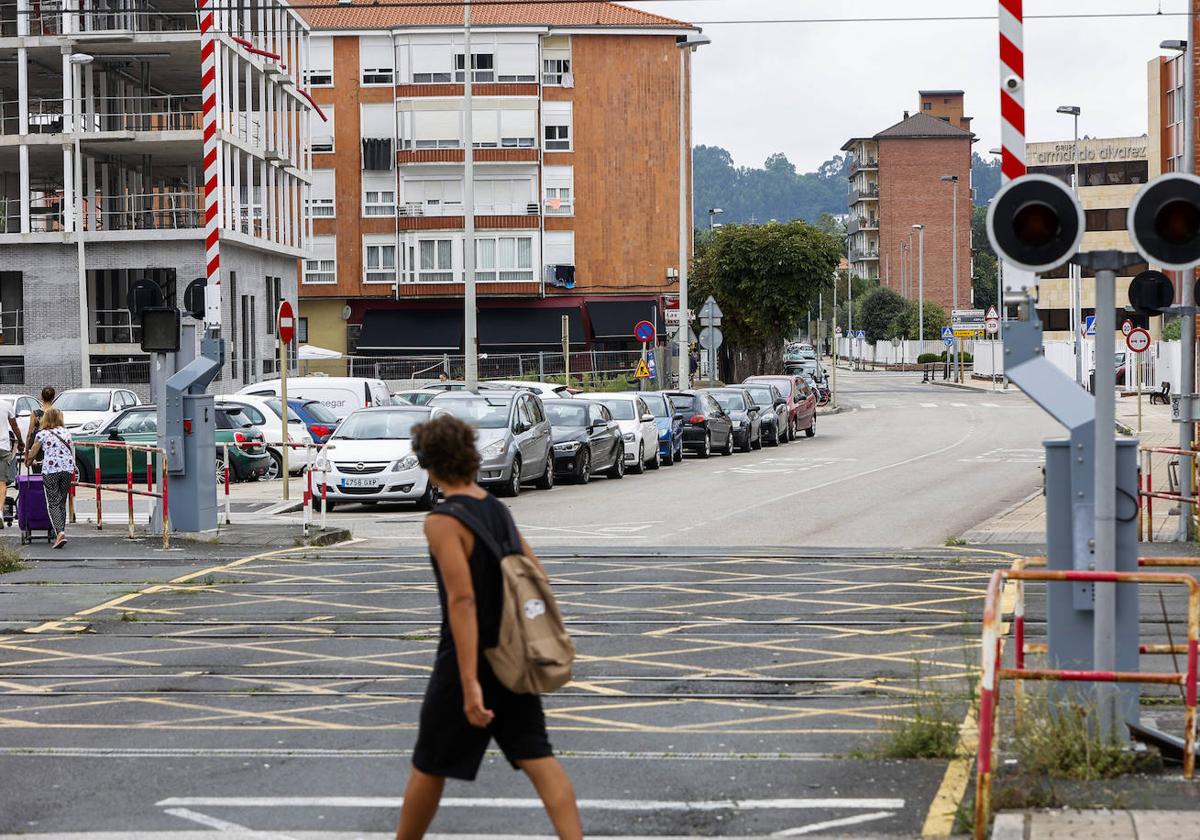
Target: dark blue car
[
  {"x": 670, "y": 427},
  {"x": 318, "y": 419}
]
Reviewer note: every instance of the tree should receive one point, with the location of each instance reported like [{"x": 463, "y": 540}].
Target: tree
[
  {"x": 832, "y": 225},
  {"x": 750, "y": 195},
  {"x": 765, "y": 278},
  {"x": 984, "y": 283},
  {"x": 985, "y": 178},
  {"x": 882, "y": 309},
  {"x": 1172, "y": 330},
  {"x": 935, "y": 320}
]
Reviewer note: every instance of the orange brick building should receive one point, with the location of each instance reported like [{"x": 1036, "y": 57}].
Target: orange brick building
[
  {"x": 575, "y": 114},
  {"x": 896, "y": 182}
]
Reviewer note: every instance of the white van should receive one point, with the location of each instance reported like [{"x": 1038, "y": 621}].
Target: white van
[{"x": 340, "y": 394}]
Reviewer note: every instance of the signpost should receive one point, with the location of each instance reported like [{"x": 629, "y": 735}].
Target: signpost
[
  {"x": 643, "y": 331},
  {"x": 285, "y": 329},
  {"x": 566, "y": 340},
  {"x": 1138, "y": 342},
  {"x": 711, "y": 337},
  {"x": 948, "y": 336},
  {"x": 1127, "y": 328},
  {"x": 991, "y": 325}
]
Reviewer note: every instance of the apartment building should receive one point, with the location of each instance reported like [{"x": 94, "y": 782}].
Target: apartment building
[
  {"x": 897, "y": 181},
  {"x": 575, "y": 114},
  {"x": 101, "y": 182}
]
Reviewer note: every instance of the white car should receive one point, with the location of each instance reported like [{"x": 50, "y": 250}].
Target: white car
[
  {"x": 639, "y": 431},
  {"x": 545, "y": 390},
  {"x": 370, "y": 459},
  {"x": 87, "y": 409},
  {"x": 266, "y": 413}
]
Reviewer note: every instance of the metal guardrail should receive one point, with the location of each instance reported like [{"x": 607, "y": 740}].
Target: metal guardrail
[
  {"x": 1146, "y": 485},
  {"x": 129, "y": 448}
]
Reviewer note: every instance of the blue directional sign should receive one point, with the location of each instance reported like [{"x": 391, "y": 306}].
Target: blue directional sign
[
  {"x": 653, "y": 367},
  {"x": 861, "y": 335},
  {"x": 948, "y": 341},
  {"x": 1089, "y": 326},
  {"x": 948, "y": 335}
]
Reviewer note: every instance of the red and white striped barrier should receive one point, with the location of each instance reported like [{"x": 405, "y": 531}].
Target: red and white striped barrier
[
  {"x": 212, "y": 201},
  {"x": 1012, "y": 89}
]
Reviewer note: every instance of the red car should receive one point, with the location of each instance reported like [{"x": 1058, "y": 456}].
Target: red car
[{"x": 801, "y": 400}]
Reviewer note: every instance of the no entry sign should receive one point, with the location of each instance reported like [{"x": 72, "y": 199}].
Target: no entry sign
[
  {"x": 644, "y": 332},
  {"x": 287, "y": 322},
  {"x": 1138, "y": 340}
]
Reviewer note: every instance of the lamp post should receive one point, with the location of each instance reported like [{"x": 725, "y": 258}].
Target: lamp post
[
  {"x": 1187, "y": 279},
  {"x": 687, "y": 43},
  {"x": 920, "y": 229},
  {"x": 953, "y": 179},
  {"x": 713, "y": 212},
  {"x": 470, "y": 325},
  {"x": 77, "y": 62},
  {"x": 1076, "y": 273}
]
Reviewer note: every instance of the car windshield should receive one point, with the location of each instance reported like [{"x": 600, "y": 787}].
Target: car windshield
[
  {"x": 621, "y": 409},
  {"x": 319, "y": 412},
  {"x": 730, "y": 401},
  {"x": 784, "y": 386},
  {"x": 485, "y": 413},
  {"x": 379, "y": 425},
  {"x": 762, "y": 396},
  {"x": 82, "y": 401},
  {"x": 230, "y": 417},
  {"x": 682, "y": 402},
  {"x": 567, "y": 415},
  {"x": 657, "y": 404},
  {"x": 419, "y": 397}
]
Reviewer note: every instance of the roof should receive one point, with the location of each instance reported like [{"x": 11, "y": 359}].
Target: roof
[
  {"x": 923, "y": 125},
  {"x": 849, "y": 144},
  {"x": 939, "y": 93},
  {"x": 330, "y": 14}
]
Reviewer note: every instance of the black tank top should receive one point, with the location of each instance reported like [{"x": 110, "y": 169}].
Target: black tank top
[{"x": 492, "y": 514}]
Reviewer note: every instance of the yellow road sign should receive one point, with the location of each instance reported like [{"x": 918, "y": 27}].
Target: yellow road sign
[
  {"x": 967, "y": 332},
  {"x": 643, "y": 370}
]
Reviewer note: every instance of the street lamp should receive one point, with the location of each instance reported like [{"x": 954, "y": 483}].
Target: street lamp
[
  {"x": 1076, "y": 274},
  {"x": 74, "y": 162},
  {"x": 953, "y": 179},
  {"x": 686, "y": 43},
  {"x": 920, "y": 229},
  {"x": 998, "y": 152},
  {"x": 712, "y": 214}
]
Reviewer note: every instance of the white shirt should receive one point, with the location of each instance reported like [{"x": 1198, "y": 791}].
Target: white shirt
[
  {"x": 6, "y": 414},
  {"x": 56, "y": 443}
]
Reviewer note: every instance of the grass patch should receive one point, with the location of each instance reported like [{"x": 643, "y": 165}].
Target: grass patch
[
  {"x": 954, "y": 542},
  {"x": 10, "y": 560},
  {"x": 129, "y": 616},
  {"x": 930, "y": 731}
]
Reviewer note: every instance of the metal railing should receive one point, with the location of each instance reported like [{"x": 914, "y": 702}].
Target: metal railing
[
  {"x": 45, "y": 214},
  {"x": 153, "y": 453},
  {"x": 417, "y": 209},
  {"x": 165, "y": 210},
  {"x": 1146, "y": 485},
  {"x": 587, "y": 367},
  {"x": 869, "y": 254},
  {"x": 46, "y": 18},
  {"x": 105, "y": 113},
  {"x": 858, "y": 195},
  {"x": 12, "y": 327}
]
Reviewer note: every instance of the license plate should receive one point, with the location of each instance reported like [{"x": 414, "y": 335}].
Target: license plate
[{"x": 360, "y": 482}]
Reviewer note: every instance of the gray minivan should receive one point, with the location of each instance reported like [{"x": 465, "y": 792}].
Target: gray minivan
[{"x": 513, "y": 437}]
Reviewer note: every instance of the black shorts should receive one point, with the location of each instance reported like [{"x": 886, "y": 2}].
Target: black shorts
[{"x": 448, "y": 745}]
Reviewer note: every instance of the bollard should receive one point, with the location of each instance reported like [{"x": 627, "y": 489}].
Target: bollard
[
  {"x": 129, "y": 487},
  {"x": 71, "y": 496},
  {"x": 307, "y": 501},
  {"x": 98, "y": 476},
  {"x": 226, "y": 471},
  {"x": 166, "y": 509},
  {"x": 324, "y": 492}
]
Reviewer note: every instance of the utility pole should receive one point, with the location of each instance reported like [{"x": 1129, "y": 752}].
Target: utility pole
[
  {"x": 1187, "y": 529},
  {"x": 470, "y": 339},
  {"x": 686, "y": 44},
  {"x": 953, "y": 179},
  {"x": 920, "y": 229},
  {"x": 1075, "y": 272}
]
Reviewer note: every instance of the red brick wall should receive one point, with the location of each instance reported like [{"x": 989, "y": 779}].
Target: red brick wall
[{"x": 911, "y": 192}]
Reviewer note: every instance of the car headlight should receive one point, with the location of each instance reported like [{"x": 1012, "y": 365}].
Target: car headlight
[
  {"x": 629, "y": 438},
  {"x": 405, "y": 463},
  {"x": 568, "y": 446},
  {"x": 497, "y": 447},
  {"x": 321, "y": 464},
  {"x": 90, "y": 426},
  {"x": 737, "y": 424}
]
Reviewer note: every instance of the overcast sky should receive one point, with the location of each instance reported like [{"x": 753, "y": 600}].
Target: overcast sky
[{"x": 804, "y": 88}]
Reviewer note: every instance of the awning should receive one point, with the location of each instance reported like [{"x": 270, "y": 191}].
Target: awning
[
  {"x": 311, "y": 352},
  {"x": 522, "y": 326},
  {"x": 615, "y": 319},
  {"x": 410, "y": 332}
]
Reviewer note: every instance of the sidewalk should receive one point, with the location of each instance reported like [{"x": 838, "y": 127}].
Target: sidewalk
[{"x": 1099, "y": 825}]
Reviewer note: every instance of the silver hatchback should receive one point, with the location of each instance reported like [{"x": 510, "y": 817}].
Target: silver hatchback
[{"x": 513, "y": 436}]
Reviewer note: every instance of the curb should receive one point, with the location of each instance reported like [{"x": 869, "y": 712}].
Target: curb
[
  {"x": 956, "y": 385},
  {"x": 290, "y": 506},
  {"x": 829, "y": 412},
  {"x": 271, "y": 538}
]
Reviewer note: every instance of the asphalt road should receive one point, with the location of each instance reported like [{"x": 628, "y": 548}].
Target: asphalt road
[{"x": 905, "y": 464}]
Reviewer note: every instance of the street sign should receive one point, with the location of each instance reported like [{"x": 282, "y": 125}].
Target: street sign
[
  {"x": 650, "y": 363},
  {"x": 644, "y": 332},
  {"x": 968, "y": 330},
  {"x": 992, "y": 314},
  {"x": 1089, "y": 326},
  {"x": 860, "y": 335},
  {"x": 711, "y": 338},
  {"x": 287, "y": 322},
  {"x": 992, "y": 325},
  {"x": 1126, "y": 327},
  {"x": 837, "y": 331},
  {"x": 1138, "y": 340},
  {"x": 643, "y": 370},
  {"x": 947, "y": 333},
  {"x": 672, "y": 317},
  {"x": 948, "y": 341},
  {"x": 710, "y": 313},
  {"x": 963, "y": 315}
]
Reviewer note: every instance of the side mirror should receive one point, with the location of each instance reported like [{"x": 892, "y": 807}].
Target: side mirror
[
  {"x": 600, "y": 424},
  {"x": 680, "y": 417},
  {"x": 113, "y": 434},
  {"x": 647, "y": 418}
]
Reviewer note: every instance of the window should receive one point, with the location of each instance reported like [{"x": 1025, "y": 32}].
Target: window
[
  {"x": 556, "y": 61},
  {"x": 928, "y": 106},
  {"x": 504, "y": 259},
  {"x": 559, "y": 190},
  {"x": 431, "y": 130},
  {"x": 320, "y": 62},
  {"x": 379, "y": 195},
  {"x": 436, "y": 261},
  {"x": 379, "y": 262},
  {"x": 321, "y": 131},
  {"x": 504, "y": 196},
  {"x": 1113, "y": 173},
  {"x": 518, "y": 129},
  {"x": 556, "y": 122},
  {"x": 516, "y": 62},
  {"x": 274, "y": 298},
  {"x": 430, "y": 63},
  {"x": 321, "y": 267},
  {"x": 377, "y": 59},
  {"x": 441, "y": 197},
  {"x": 1114, "y": 219},
  {"x": 559, "y": 247},
  {"x": 321, "y": 194},
  {"x": 483, "y": 66},
  {"x": 553, "y": 71}
]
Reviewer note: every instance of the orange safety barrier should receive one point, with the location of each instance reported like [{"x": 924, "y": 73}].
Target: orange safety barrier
[
  {"x": 993, "y": 673},
  {"x": 1146, "y": 487},
  {"x": 151, "y": 452},
  {"x": 309, "y": 449}
]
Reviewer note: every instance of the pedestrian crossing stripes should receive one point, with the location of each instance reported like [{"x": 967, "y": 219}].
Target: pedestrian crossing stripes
[{"x": 874, "y": 406}]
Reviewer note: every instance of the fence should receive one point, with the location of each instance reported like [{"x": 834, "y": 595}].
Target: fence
[
  {"x": 887, "y": 353},
  {"x": 406, "y": 371},
  {"x": 1146, "y": 489},
  {"x": 152, "y": 453}
]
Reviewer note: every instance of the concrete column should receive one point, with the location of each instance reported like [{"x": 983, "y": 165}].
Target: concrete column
[{"x": 23, "y": 120}]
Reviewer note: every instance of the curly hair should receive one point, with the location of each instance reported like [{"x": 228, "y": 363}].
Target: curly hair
[{"x": 445, "y": 446}]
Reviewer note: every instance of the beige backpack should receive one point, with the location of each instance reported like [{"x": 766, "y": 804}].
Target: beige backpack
[{"x": 533, "y": 652}]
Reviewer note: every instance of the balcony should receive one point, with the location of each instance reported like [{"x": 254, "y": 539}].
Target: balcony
[
  {"x": 179, "y": 210},
  {"x": 862, "y": 164},
  {"x": 46, "y": 18},
  {"x": 858, "y": 223},
  {"x": 871, "y": 193},
  {"x": 864, "y": 256},
  {"x": 109, "y": 114}
]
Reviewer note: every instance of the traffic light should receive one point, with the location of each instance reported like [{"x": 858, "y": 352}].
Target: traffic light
[
  {"x": 1035, "y": 223},
  {"x": 1164, "y": 221},
  {"x": 1151, "y": 292},
  {"x": 160, "y": 330}
]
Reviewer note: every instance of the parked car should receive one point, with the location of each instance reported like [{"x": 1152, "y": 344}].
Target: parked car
[
  {"x": 413, "y": 397},
  {"x": 513, "y": 437},
  {"x": 370, "y": 460},
  {"x": 248, "y": 458},
  {"x": 801, "y": 402},
  {"x": 267, "y": 414},
  {"x": 670, "y": 426},
  {"x": 774, "y": 411},
  {"x": 545, "y": 390},
  {"x": 87, "y": 409},
  {"x": 586, "y": 440},
  {"x": 638, "y": 429},
  {"x": 340, "y": 394},
  {"x": 809, "y": 367},
  {"x": 706, "y": 426},
  {"x": 745, "y": 414}
]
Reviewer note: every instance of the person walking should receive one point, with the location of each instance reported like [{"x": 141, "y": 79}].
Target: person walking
[
  {"x": 35, "y": 422},
  {"x": 8, "y": 462},
  {"x": 465, "y": 704},
  {"x": 58, "y": 466}
]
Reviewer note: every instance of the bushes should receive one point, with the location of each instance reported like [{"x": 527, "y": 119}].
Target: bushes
[{"x": 928, "y": 358}]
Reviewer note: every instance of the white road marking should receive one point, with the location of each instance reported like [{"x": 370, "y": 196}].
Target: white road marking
[
  {"x": 867, "y": 405},
  {"x": 989, "y": 405},
  {"x": 929, "y": 405},
  {"x": 224, "y": 825},
  {"x": 821, "y": 826},
  {"x": 958, "y": 405},
  {"x": 392, "y": 802}
]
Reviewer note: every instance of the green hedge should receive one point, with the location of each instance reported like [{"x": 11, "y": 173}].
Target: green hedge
[{"x": 926, "y": 358}]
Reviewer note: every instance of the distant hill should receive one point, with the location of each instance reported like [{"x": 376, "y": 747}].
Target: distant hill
[{"x": 750, "y": 195}]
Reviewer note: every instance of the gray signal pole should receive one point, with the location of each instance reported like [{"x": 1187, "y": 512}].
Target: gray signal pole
[
  {"x": 470, "y": 340},
  {"x": 1076, "y": 273},
  {"x": 920, "y": 229},
  {"x": 953, "y": 179}
]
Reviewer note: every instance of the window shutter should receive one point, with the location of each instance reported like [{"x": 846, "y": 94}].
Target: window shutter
[
  {"x": 558, "y": 248},
  {"x": 375, "y": 52},
  {"x": 516, "y": 60}
]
